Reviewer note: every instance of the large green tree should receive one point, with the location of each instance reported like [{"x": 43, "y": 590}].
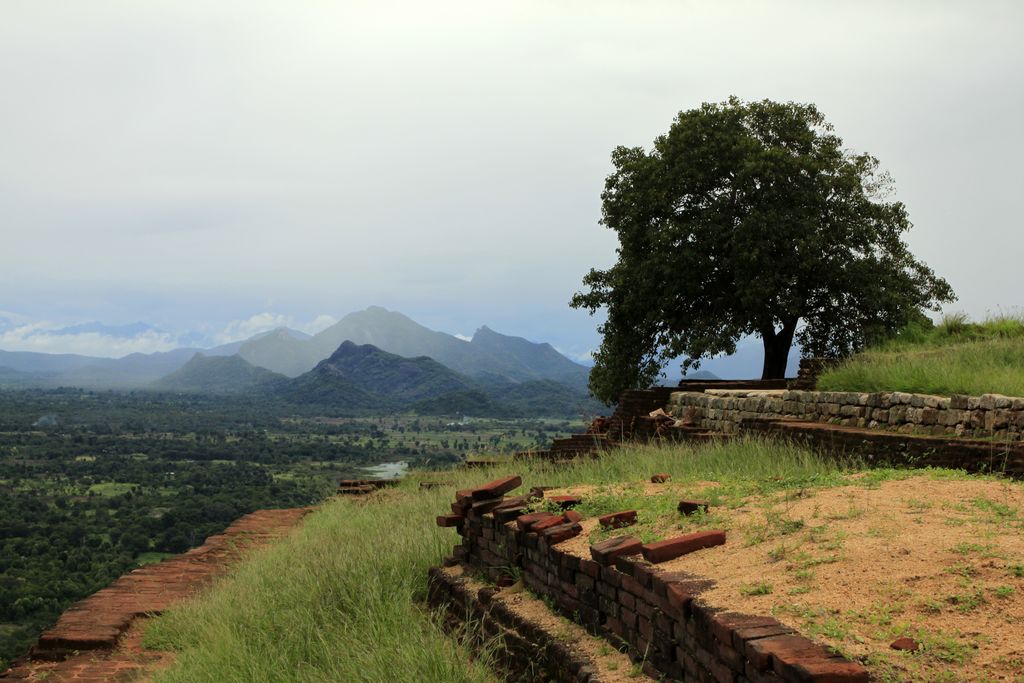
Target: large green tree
[{"x": 749, "y": 218}]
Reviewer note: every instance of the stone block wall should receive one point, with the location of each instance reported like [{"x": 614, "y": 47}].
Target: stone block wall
[
  {"x": 655, "y": 614},
  {"x": 989, "y": 415}
]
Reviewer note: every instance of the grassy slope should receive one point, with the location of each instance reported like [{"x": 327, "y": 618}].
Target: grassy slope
[
  {"x": 342, "y": 598},
  {"x": 954, "y": 357}
]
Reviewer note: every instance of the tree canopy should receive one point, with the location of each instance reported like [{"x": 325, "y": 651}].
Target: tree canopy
[{"x": 749, "y": 218}]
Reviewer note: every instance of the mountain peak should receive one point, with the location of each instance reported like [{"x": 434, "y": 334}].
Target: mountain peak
[{"x": 349, "y": 349}]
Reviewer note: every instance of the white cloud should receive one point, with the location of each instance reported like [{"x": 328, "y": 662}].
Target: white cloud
[
  {"x": 586, "y": 357},
  {"x": 463, "y": 337},
  {"x": 318, "y": 324},
  {"x": 237, "y": 330},
  {"x": 41, "y": 337}
]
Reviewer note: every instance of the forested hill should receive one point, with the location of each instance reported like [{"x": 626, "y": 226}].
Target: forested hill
[
  {"x": 219, "y": 375},
  {"x": 487, "y": 354},
  {"x": 363, "y": 377}
]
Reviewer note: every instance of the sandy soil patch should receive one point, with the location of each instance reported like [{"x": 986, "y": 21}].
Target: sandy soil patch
[{"x": 857, "y": 565}]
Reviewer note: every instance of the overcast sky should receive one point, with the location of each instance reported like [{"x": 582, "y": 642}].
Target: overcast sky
[{"x": 211, "y": 167}]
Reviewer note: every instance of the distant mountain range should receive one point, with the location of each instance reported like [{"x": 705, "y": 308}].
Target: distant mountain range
[
  {"x": 487, "y": 354},
  {"x": 372, "y": 359},
  {"x": 362, "y": 378}
]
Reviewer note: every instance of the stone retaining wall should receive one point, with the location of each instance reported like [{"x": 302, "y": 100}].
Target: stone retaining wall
[
  {"x": 654, "y": 614},
  {"x": 989, "y": 415}
]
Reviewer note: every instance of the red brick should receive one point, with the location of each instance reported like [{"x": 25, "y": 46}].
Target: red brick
[
  {"x": 762, "y": 652},
  {"x": 633, "y": 586},
  {"x": 547, "y": 523},
  {"x": 742, "y": 634},
  {"x": 904, "y": 643},
  {"x": 590, "y": 568},
  {"x": 724, "y": 624},
  {"x": 617, "y": 520},
  {"x": 562, "y": 532},
  {"x": 483, "y": 506},
  {"x": 672, "y": 548},
  {"x": 688, "y": 507},
  {"x": 819, "y": 669},
  {"x": 449, "y": 520},
  {"x": 572, "y": 516},
  {"x": 496, "y": 488},
  {"x": 507, "y": 514},
  {"x": 605, "y": 551},
  {"x": 680, "y": 595},
  {"x": 565, "y": 502},
  {"x": 525, "y": 522}
]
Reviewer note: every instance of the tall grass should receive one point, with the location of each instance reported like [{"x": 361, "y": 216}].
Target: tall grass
[
  {"x": 341, "y": 598},
  {"x": 953, "y": 357}
]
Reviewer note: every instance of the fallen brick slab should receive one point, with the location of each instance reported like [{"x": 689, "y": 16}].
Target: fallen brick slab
[
  {"x": 671, "y": 548},
  {"x": 561, "y": 532},
  {"x": 905, "y": 644},
  {"x": 525, "y": 522},
  {"x": 497, "y": 488},
  {"x": 484, "y": 506},
  {"x": 606, "y": 551},
  {"x": 507, "y": 514},
  {"x": 565, "y": 502},
  {"x": 357, "y": 490},
  {"x": 617, "y": 520},
  {"x": 449, "y": 520},
  {"x": 796, "y": 658},
  {"x": 688, "y": 507},
  {"x": 548, "y": 522}
]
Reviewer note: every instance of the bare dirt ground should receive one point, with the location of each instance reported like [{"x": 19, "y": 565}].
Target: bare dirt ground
[{"x": 938, "y": 558}]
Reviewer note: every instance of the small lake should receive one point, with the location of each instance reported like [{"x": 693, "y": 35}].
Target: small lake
[{"x": 387, "y": 470}]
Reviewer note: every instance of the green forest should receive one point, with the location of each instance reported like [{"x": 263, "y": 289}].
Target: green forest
[{"x": 95, "y": 483}]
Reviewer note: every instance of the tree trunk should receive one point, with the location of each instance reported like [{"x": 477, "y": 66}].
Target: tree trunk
[{"x": 776, "y": 349}]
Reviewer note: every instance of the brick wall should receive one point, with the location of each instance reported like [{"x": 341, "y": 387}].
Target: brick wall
[
  {"x": 656, "y": 615},
  {"x": 527, "y": 652},
  {"x": 989, "y": 415}
]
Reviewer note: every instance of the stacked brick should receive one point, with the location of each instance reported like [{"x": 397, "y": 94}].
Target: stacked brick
[
  {"x": 653, "y": 614},
  {"x": 988, "y": 415},
  {"x": 809, "y": 371},
  {"x": 631, "y": 422},
  {"x": 363, "y": 487},
  {"x": 527, "y": 653}
]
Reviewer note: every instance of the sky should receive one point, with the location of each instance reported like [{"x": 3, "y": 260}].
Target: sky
[{"x": 214, "y": 168}]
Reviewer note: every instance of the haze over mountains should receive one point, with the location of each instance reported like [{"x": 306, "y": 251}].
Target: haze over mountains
[
  {"x": 371, "y": 357},
  {"x": 488, "y": 353}
]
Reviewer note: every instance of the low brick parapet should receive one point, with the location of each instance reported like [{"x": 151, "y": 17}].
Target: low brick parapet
[{"x": 655, "y": 615}]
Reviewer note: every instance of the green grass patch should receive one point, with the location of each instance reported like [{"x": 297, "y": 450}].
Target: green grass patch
[
  {"x": 342, "y": 597},
  {"x": 151, "y": 558},
  {"x": 112, "y": 488},
  {"x": 954, "y": 357}
]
